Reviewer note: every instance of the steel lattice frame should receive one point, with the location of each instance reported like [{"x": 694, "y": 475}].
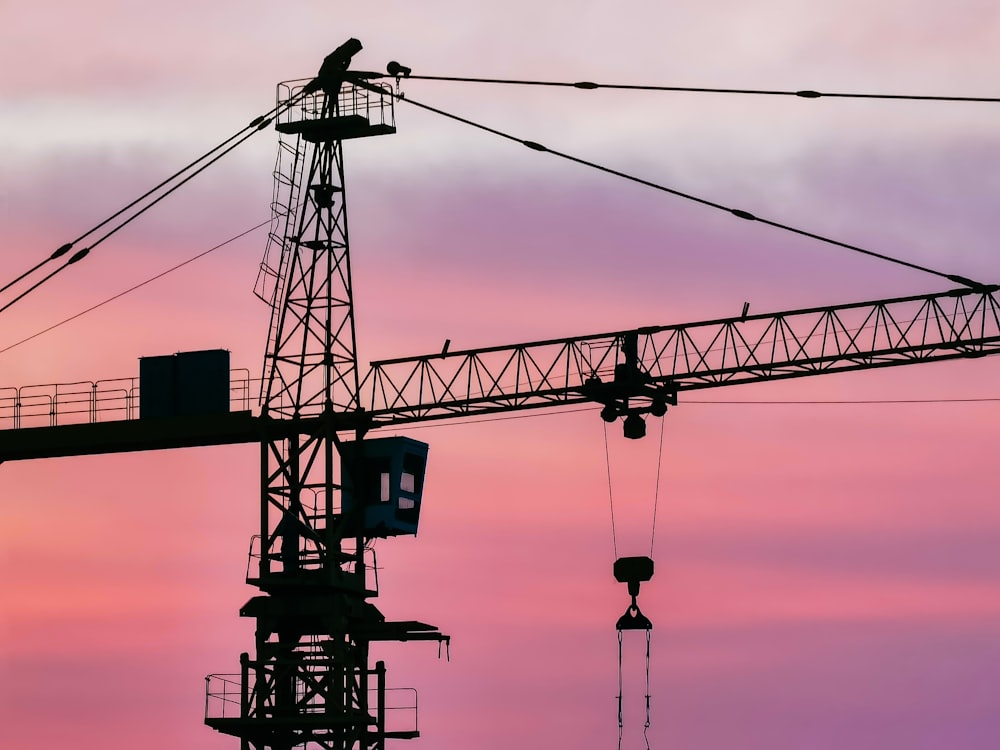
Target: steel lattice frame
[
  {"x": 670, "y": 359},
  {"x": 311, "y": 364},
  {"x": 308, "y": 684}
]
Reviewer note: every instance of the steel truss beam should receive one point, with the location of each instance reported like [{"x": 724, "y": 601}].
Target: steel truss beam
[
  {"x": 310, "y": 365},
  {"x": 693, "y": 356}
]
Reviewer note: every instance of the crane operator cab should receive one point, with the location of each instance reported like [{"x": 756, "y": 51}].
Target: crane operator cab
[{"x": 383, "y": 481}]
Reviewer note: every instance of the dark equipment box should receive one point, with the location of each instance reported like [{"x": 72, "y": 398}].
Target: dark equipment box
[{"x": 184, "y": 384}]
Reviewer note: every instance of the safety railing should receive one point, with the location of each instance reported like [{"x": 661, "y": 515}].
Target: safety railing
[
  {"x": 310, "y": 557},
  {"x": 88, "y": 402},
  {"x": 223, "y": 696},
  {"x": 401, "y": 710},
  {"x": 230, "y": 696},
  {"x": 370, "y": 99}
]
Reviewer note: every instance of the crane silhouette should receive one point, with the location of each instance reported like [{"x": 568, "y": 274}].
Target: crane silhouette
[{"x": 327, "y": 488}]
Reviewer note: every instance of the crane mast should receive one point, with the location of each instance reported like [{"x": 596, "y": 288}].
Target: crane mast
[{"x": 310, "y": 682}]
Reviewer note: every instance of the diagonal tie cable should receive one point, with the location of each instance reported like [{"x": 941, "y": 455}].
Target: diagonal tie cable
[
  {"x": 737, "y": 212},
  {"x": 800, "y": 93},
  {"x": 156, "y": 194}
]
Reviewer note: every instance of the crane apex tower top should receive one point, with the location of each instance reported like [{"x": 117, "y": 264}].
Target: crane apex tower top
[
  {"x": 311, "y": 365},
  {"x": 357, "y": 108}
]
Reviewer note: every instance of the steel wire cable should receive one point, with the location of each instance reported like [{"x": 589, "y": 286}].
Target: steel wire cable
[
  {"x": 255, "y": 125},
  {"x": 77, "y": 256},
  {"x": 82, "y": 253},
  {"x": 136, "y": 286},
  {"x": 645, "y": 727},
  {"x": 656, "y": 491},
  {"x": 611, "y": 497},
  {"x": 191, "y": 170},
  {"x": 799, "y": 93},
  {"x": 621, "y": 723},
  {"x": 737, "y": 212},
  {"x": 174, "y": 187}
]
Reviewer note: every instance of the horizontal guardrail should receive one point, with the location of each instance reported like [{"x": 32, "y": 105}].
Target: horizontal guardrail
[
  {"x": 88, "y": 402},
  {"x": 234, "y": 696}
]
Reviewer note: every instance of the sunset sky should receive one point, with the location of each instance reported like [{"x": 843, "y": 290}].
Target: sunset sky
[{"x": 827, "y": 575}]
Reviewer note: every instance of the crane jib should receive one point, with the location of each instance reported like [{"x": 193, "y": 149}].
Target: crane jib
[{"x": 643, "y": 370}]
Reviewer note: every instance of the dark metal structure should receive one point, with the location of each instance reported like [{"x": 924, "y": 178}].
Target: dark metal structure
[
  {"x": 327, "y": 491},
  {"x": 310, "y": 681},
  {"x": 641, "y": 371},
  {"x": 634, "y": 372}
]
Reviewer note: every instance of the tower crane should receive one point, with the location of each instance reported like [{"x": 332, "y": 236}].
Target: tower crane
[{"x": 328, "y": 488}]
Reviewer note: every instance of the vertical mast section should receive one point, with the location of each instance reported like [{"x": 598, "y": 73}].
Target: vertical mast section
[
  {"x": 311, "y": 363},
  {"x": 311, "y": 366},
  {"x": 310, "y": 682}
]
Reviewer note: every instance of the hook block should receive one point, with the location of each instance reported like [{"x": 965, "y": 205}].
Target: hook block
[
  {"x": 633, "y": 619},
  {"x": 633, "y": 571}
]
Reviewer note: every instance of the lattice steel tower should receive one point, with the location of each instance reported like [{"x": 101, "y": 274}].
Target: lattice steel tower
[{"x": 310, "y": 682}]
